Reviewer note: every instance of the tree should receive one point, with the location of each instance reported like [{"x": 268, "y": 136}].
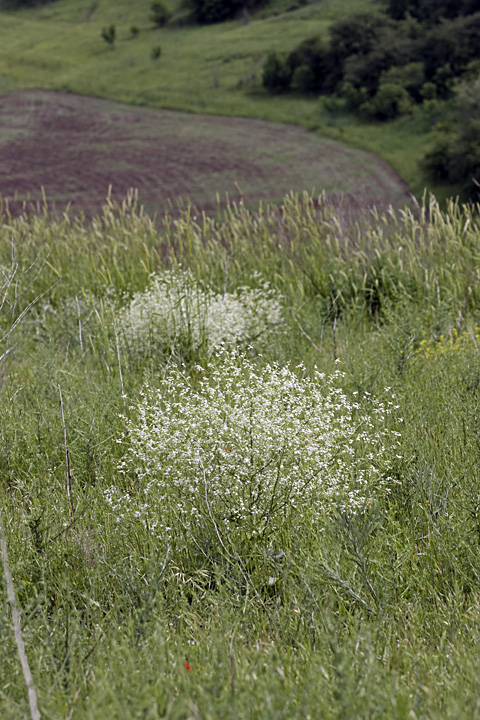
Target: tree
[
  {"x": 214, "y": 11},
  {"x": 410, "y": 76},
  {"x": 390, "y": 101},
  {"x": 357, "y": 36},
  {"x": 455, "y": 157},
  {"x": 277, "y": 74},
  {"x": 455, "y": 43},
  {"x": 159, "y": 14},
  {"x": 312, "y": 56},
  {"x": 431, "y": 11}
]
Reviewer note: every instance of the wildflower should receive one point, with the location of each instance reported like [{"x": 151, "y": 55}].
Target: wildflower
[
  {"x": 249, "y": 450},
  {"x": 176, "y": 309}
]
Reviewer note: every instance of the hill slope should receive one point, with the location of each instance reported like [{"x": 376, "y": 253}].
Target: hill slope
[{"x": 76, "y": 148}]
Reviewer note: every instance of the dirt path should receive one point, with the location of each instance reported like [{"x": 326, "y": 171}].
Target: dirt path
[{"x": 76, "y": 147}]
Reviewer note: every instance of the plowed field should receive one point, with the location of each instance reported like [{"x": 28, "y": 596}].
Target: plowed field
[{"x": 76, "y": 148}]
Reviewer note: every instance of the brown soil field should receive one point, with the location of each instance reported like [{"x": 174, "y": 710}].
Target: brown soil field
[{"x": 73, "y": 149}]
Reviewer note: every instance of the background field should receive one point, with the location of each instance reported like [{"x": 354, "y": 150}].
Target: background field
[
  {"x": 76, "y": 148},
  {"x": 215, "y": 69}
]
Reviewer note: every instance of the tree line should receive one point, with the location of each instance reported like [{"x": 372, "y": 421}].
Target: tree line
[{"x": 417, "y": 53}]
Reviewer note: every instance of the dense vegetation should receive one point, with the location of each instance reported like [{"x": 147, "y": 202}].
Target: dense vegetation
[
  {"x": 285, "y": 527},
  {"x": 211, "y": 11},
  {"x": 386, "y": 66},
  {"x": 240, "y": 454}
]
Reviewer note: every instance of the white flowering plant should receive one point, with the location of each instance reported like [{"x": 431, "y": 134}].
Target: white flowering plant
[
  {"x": 176, "y": 311},
  {"x": 233, "y": 459}
]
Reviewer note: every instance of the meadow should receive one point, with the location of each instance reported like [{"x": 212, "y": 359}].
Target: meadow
[
  {"x": 240, "y": 462},
  {"x": 239, "y": 444}
]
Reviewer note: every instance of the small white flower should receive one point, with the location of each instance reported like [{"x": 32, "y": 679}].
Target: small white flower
[
  {"x": 252, "y": 448},
  {"x": 176, "y": 309}
]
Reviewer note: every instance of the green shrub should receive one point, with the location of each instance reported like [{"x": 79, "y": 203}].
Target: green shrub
[
  {"x": 390, "y": 101},
  {"x": 354, "y": 97},
  {"x": 311, "y": 54},
  {"x": 213, "y": 11},
  {"x": 156, "y": 52},
  {"x": 303, "y": 80},
  {"x": 410, "y": 76},
  {"x": 436, "y": 162},
  {"x": 455, "y": 156},
  {"x": 277, "y": 74},
  {"x": 159, "y": 14}
]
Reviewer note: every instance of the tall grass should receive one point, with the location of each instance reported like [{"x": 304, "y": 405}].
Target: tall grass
[{"x": 231, "y": 588}]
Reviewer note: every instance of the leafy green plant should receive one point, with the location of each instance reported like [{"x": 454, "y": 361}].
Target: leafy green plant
[
  {"x": 213, "y": 11},
  {"x": 276, "y": 74}
]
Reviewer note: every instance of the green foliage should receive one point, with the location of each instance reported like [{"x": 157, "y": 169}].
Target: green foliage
[
  {"x": 156, "y": 52},
  {"x": 372, "y": 613},
  {"x": 411, "y": 77},
  {"x": 213, "y": 11},
  {"x": 430, "y": 11},
  {"x": 455, "y": 156},
  {"x": 454, "y": 43},
  {"x": 382, "y": 66},
  {"x": 356, "y": 35},
  {"x": 310, "y": 64},
  {"x": 276, "y": 74},
  {"x": 159, "y": 13},
  {"x": 109, "y": 34},
  {"x": 390, "y": 101}
]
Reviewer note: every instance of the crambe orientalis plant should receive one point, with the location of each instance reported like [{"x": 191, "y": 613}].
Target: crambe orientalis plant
[
  {"x": 176, "y": 311},
  {"x": 243, "y": 453}
]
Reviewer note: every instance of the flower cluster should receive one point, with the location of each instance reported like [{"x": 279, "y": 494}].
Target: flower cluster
[
  {"x": 242, "y": 452},
  {"x": 454, "y": 343},
  {"x": 175, "y": 310}
]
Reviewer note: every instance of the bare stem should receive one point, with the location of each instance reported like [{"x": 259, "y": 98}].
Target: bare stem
[
  {"x": 79, "y": 318},
  {"x": 32, "y": 695},
  {"x": 120, "y": 368},
  {"x": 236, "y": 558},
  {"x": 71, "y": 508}
]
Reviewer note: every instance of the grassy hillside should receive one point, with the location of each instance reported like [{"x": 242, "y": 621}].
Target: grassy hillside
[
  {"x": 215, "y": 69},
  {"x": 287, "y": 527},
  {"x": 239, "y": 454}
]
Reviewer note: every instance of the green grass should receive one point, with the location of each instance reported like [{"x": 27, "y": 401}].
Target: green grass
[
  {"x": 59, "y": 46},
  {"x": 330, "y": 613},
  {"x": 319, "y": 611}
]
